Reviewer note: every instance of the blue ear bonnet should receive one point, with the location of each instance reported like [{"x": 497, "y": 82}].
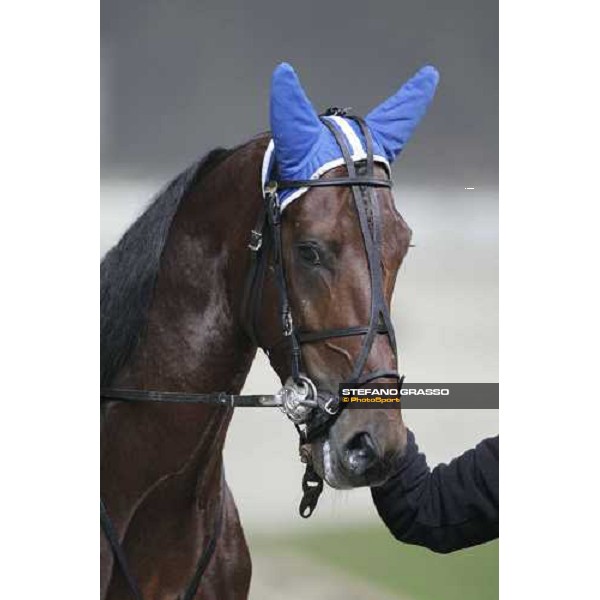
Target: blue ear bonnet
[
  {"x": 322, "y": 157},
  {"x": 303, "y": 148}
]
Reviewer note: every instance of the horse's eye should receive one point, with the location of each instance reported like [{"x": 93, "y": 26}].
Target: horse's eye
[{"x": 309, "y": 254}]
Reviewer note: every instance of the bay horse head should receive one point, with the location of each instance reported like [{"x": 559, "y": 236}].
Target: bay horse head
[{"x": 335, "y": 242}]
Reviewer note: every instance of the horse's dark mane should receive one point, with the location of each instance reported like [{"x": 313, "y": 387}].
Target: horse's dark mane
[{"x": 128, "y": 271}]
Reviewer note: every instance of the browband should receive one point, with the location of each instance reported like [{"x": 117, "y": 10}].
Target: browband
[{"x": 335, "y": 181}]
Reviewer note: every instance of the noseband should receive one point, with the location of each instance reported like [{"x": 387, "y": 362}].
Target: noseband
[{"x": 313, "y": 408}]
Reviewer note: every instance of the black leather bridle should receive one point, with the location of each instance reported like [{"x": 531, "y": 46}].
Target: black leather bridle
[
  {"x": 315, "y": 410},
  {"x": 266, "y": 239}
]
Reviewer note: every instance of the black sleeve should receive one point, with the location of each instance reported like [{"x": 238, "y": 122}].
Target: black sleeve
[{"x": 452, "y": 507}]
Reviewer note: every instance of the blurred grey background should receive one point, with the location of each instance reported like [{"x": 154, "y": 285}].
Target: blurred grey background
[{"x": 180, "y": 77}]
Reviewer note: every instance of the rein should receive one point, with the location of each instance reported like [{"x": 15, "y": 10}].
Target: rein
[
  {"x": 313, "y": 411},
  {"x": 219, "y": 398}
]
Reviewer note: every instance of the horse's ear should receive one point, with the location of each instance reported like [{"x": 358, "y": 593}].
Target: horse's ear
[
  {"x": 392, "y": 123},
  {"x": 294, "y": 123}
]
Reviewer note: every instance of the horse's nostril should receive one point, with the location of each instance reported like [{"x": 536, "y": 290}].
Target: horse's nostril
[{"x": 360, "y": 452}]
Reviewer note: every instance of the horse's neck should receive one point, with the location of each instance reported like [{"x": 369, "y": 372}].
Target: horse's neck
[{"x": 193, "y": 338}]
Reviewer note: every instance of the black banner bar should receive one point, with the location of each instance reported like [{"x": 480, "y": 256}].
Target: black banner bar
[{"x": 421, "y": 395}]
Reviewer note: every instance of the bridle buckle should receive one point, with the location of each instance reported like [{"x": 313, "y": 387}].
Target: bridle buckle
[
  {"x": 256, "y": 239},
  {"x": 329, "y": 403},
  {"x": 288, "y": 323},
  {"x": 336, "y": 111}
]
